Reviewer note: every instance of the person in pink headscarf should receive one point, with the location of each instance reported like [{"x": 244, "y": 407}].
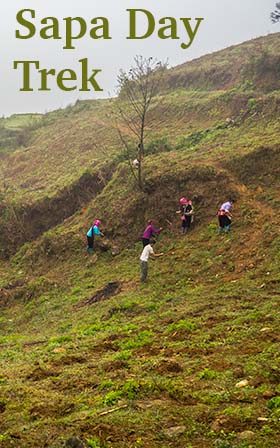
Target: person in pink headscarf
[
  {"x": 186, "y": 211},
  {"x": 94, "y": 230}
]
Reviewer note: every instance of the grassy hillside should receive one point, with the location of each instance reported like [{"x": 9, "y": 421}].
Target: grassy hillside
[
  {"x": 191, "y": 358},
  {"x": 122, "y": 371},
  {"x": 16, "y": 130},
  {"x": 254, "y": 65}
]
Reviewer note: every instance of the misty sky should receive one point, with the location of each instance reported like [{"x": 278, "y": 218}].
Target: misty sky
[{"x": 227, "y": 22}]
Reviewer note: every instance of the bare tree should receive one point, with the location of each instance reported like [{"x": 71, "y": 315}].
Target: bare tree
[
  {"x": 275, "y": 15},
  {"x": 137, "y": 89}
]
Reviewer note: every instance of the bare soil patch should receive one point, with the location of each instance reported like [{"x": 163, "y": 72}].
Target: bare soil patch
[{"x": 111, "y": 289}]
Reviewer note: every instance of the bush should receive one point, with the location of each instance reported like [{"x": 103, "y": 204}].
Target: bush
[{"x": 158, "y": 145}]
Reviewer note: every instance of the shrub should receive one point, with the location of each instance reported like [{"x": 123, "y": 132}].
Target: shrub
[
  {"x": 207, "y": 374},
  {"x": 274, "y": 403},
  {"x": 112, "y": 397},
  {"x": 158, "y": 145}
]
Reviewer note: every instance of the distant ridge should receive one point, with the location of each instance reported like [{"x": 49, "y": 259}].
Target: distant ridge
[{"x": 256, "y": 61}]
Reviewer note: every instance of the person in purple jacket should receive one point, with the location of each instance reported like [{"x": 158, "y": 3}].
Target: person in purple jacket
[{"x": 150, "y": 232}]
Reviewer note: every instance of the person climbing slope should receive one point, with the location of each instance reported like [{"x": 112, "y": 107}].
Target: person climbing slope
[
  {"x": 150, "y": 232},
  {"x": 186, "y": 211},
  {"x": 147, "y": 251},
  {"x": 224, "y": 216},
  {"x": 94, "y": 230}
]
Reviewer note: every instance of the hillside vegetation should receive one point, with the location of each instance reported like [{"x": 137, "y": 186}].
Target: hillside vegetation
[{"x": 191, "y": 358}]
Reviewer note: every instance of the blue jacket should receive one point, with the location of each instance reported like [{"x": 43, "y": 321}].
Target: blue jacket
[{"x": 94, "y": 230}]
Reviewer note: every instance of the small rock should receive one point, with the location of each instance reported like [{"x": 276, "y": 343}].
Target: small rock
[
  {"x": 74, "y": 442},
  {"x": 238, "y": 372},
  {"x": 103, "y": 246},
  {"x": 59, "y": 350},
  {"x": 246, "y": 435},
  {"x": 242, "y": 383},
  {"x": 218, "y": 423},
  {"x": 268, "y": 394},
  {"x": 265, "y": 329},
  {"x": 263, "y": 419},
  {"x": 216, "y": 426},
  {"x": 174, "y": 431},
  {"x": 115, "y": 251}
]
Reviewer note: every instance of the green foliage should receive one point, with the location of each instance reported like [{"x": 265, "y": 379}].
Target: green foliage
[
  {"x": 155, "y": 146},
  {"x": 192, "y": 140},
  {"x": 92, "y": 329},
  {"x": 16, "y": 131},
  {"x": 94, "y": 442},
  {"x": 223, "y": 444},
  {"x": 158, "y": 145},
  {"x": 182, "y": 325},
  {"x": 207, "y": 374},
  {"x": 247, "y": 86},
  {"x": 142, "y": 338},
  {"x": 274, "y": 403},
  {"x": 130, "y": 389},
  {"x": 112, "y": 397},
  {"x": 125, "y": 155},
  {"x": 252, "y": 104},
  {"x": 60, "y": 340},
  {"x": 107, "y": 384},
  {"x": 123, "y": 355}
]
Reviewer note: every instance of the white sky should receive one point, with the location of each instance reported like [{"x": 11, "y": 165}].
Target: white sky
[{"x": 227, "y": 22}]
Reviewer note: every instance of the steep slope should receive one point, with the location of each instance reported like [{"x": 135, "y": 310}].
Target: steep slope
[
  {"x": 127, "y": 366},
  {"x": 190, "y": 359},
  {"x": 63, "y": 148}
]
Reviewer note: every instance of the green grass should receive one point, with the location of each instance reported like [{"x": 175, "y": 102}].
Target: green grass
[
  {"x": 165, "y": 355},
  {"x": 122, "y": 371}
]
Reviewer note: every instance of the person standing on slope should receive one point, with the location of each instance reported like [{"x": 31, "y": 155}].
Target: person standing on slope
[
  {"x": 150, "y": 231},
  {"x": 186, "y": 211},
  {"x": 225, "y": 217},
  {"x": 94, "y": 230},
  {"x": 147, "y": 251}
]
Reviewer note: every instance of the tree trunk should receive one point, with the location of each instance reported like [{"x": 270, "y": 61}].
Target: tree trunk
[{"x": 140, "y": 157}]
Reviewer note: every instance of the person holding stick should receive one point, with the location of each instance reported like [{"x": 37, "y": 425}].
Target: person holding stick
[{"x": 147, "y": 251}]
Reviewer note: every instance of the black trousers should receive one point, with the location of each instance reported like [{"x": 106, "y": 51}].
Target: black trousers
[
  {"x": 224, "y": 221},
  {"x": 145, "y": 241},
  {"x": 90, "y": 241},
  {"x": 186, "y": 223}
]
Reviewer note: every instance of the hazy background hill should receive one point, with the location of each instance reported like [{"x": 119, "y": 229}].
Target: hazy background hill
[{"x": 81, "y": 337}]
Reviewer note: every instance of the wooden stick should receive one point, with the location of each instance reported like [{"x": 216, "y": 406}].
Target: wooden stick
[{"x": 113, "y": 410}]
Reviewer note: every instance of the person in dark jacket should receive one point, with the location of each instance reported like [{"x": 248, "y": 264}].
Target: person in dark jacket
[{"x": 186, "y": 211}]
